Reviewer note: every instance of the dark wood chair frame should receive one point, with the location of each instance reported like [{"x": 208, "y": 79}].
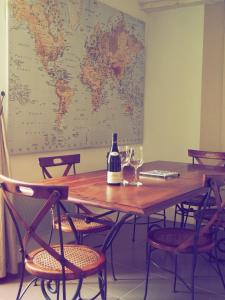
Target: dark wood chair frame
[
  {"x": 208, "y": 213},
  {"x": 60, "y": 160},
  {"x": 82, "y": 212},
  {"x": 53, "y": 195},
  {"x": 190, "y": 245},
  {"x": 188, "y": 208}
]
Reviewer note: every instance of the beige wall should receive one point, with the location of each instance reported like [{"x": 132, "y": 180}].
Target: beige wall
[
  {"x": 212, "y": 107},
  {"x": 3, "y": 46},
  {"x": 130, "y": 7},
  {"x": 173, "y": 90}
]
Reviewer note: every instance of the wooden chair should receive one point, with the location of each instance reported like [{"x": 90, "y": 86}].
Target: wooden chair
[
  {"x": 202, "y": 239},
  {"x": 54, "y": 264},
  {"x": 208, "y": 214},
  {"x": 81, "y": 223},
  {"x": 69, "y": 162},
  {"x": 188, "y": 208}
]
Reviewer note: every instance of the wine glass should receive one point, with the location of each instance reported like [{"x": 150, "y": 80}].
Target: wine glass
[
  {"x": 125, "y": 160},
  {"x": 136, "y": 161}
]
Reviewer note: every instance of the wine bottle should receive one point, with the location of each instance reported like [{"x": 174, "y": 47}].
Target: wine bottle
[{"x": 114, "y": 176}]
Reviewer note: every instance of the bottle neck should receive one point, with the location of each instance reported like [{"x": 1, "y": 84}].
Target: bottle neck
[{"x": 114, "y": 147}]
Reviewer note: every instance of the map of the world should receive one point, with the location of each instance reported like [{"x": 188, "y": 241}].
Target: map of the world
[{"x": 76, "y": 75}]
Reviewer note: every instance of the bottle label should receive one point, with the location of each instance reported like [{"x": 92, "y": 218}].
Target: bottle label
[
  {"x": 114, "y": 153},
  {"x": 114, "y": 177}
]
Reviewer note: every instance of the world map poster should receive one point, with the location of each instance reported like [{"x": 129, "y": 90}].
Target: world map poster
[{"x": 76, "y": 75}]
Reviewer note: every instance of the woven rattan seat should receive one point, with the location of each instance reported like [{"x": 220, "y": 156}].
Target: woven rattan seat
[
  {"x": 170, "y": 238},
  {"x": 40, "y": 263},
  {"x": 82, "y": 226}
]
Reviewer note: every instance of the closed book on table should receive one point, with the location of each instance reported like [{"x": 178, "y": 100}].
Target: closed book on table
[{"x": 159, "y": 173}]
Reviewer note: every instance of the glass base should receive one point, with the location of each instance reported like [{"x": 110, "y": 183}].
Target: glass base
[
  {"x": 136, "y": 183},
  {"x": 125, "y": 182}
]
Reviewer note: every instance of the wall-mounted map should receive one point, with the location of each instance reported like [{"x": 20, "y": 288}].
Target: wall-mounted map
[{"x": 76, "y": 74}]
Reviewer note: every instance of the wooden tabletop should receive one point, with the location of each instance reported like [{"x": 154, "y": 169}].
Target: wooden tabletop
[{"x": 154, "y": 195}]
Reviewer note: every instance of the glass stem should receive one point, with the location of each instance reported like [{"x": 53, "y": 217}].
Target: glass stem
[{"x": 136, "y": 174}]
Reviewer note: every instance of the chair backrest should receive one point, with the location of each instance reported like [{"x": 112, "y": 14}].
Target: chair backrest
[
  {"x": 202, "y": 157},
  {"x": 52, "y": 195},
  {"x": 213, "y": 183},
  {"x": 69, "y": 161}
]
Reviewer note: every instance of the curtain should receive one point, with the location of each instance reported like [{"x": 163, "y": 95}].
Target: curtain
[{"x": 8, "y": 246}]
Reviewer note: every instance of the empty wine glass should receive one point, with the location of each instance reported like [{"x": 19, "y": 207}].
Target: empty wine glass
[
  {"x": 136, "y": 161},
  {"x": 125, "y": 160}
]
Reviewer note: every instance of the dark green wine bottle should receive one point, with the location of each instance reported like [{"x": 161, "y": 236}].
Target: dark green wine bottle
[{"x": 114, "y": 176}]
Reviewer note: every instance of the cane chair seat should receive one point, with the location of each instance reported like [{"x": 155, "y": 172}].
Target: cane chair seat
[
  {"x": 82, "y": 226},
  {"x": 197, "y": 201},
  {"x": 41, "y": 264},
  {"x": 208, "y": 213},
  {"x": 168, "y": 239}
]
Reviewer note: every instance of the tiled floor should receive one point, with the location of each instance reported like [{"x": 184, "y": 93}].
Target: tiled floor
[{"x": 130, "y": 269}]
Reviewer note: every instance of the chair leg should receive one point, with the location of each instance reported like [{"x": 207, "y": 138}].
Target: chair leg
[
  {"x": 134, "y": 228},
  {"x": 112, "y": 262},
  {"x": 175, "y": 273},
  {"x": 19, "y": 296},
  {"x": 194, "y": 263},
  {"x": 77, "y": 294},
  {"x": 175, "y": 216},
  {"x": 147, "y": 244},
  {"x": 164, "y": 218},
  {"x": 36, "y": 281},
  {"x": 58, "y": 290},
  {"x": 148, "y": 262},
  {"x": 186, "y": 215},
  {"x": 117, "y": 217},
  {"x": 105, "y": 284},
  {"x": 218, "y": 268},
  {"x": 182, "y": 222},
  {"x": 102, "y": 280}
]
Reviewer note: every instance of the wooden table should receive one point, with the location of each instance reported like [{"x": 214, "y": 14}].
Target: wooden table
[{"x": 154, "y": 195}]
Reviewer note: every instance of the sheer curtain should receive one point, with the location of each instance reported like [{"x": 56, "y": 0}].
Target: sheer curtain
[{"x": 8, "y": 247}]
